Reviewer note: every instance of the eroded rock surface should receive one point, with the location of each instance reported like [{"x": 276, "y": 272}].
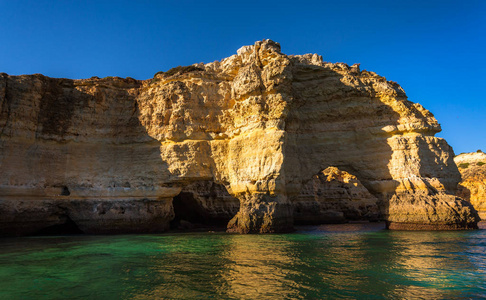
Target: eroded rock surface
[
  {"x": 473, "y": 185},
  {"x": 334, "y": 196},
  {"x": 260, "y": 123}
]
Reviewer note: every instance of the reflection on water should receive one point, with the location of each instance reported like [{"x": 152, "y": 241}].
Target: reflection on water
[
  {"x": 425, "y": 257},
  {"x": 260, "y": 265},
  {"x": 334, "y": 261}
]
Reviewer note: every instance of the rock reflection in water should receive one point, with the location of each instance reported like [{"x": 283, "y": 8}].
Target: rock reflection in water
[
  {"x": 261, "y": 266},
  {"x": 350, "y": 261},
  {"x": 432, "y": 263}
]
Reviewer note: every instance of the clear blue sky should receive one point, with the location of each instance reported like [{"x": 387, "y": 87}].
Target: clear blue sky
[{"x": 435, "y": 49}]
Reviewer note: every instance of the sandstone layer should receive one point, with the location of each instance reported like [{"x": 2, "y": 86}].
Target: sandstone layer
[
  {"x": 473, "y": 185},
  {"x": 252, "y": 140}
]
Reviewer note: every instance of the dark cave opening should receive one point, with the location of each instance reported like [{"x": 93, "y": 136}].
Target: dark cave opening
[
  {"x": 69, "y": 227},
  {"x": 190, "y": 214},
  {"x": 65, "y": 191}
]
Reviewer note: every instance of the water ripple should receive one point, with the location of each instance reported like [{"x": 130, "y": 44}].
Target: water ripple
[{"x": 326, "y": 262}]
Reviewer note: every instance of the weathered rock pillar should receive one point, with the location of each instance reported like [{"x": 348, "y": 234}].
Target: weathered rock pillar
[
  {"x": 262, "y": 213},
  {"x": 257, "y": 180}
]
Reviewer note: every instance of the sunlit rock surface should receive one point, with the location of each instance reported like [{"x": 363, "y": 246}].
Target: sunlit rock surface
[
  {"x": 260, "y": 128},
  {"x": 473, "y": 185}
]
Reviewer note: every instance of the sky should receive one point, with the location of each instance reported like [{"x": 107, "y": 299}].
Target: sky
[{"x": 434, "y": 49}]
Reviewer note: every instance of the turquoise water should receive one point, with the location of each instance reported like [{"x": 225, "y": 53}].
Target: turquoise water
[{"x": 349, "y": 261}]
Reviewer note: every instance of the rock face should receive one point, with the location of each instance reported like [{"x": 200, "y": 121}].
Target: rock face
[
  {"x": 473, "y": 185},
  {"x": 253, "y": 135}
]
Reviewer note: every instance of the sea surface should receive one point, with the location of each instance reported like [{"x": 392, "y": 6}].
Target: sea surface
[{"x": 350, "y": 261}]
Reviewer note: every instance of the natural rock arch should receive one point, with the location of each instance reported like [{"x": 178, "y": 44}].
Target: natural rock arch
[{"x": 260, "y": 122}]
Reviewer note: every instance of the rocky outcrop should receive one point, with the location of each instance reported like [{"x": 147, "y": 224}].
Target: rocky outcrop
[
  {"x": 473, "y": 185},
  {"x": 260, "y": 128}
]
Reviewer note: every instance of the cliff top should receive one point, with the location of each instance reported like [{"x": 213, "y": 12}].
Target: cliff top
[{"x": 469, "y": 158}]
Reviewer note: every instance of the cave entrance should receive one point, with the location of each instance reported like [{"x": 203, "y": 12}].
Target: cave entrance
[
  {"x": 205, "y": 206},
  {"x": 69, "y": 227}
]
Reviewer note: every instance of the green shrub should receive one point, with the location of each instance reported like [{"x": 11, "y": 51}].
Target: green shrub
[
  {"x": 464, "y": 165},
  {"x": 481, "y": 163},
  {"x": 182, "y": 70},
  {"x": 479, "y": 151}
]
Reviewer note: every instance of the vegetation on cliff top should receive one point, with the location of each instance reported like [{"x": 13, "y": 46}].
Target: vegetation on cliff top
[{"x": 180, "y": 70}]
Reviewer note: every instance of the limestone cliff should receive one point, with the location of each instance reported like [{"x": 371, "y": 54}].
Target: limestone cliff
[
  {"x": 473, "y": 185},
  {"x": 260, "y": 128}
]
